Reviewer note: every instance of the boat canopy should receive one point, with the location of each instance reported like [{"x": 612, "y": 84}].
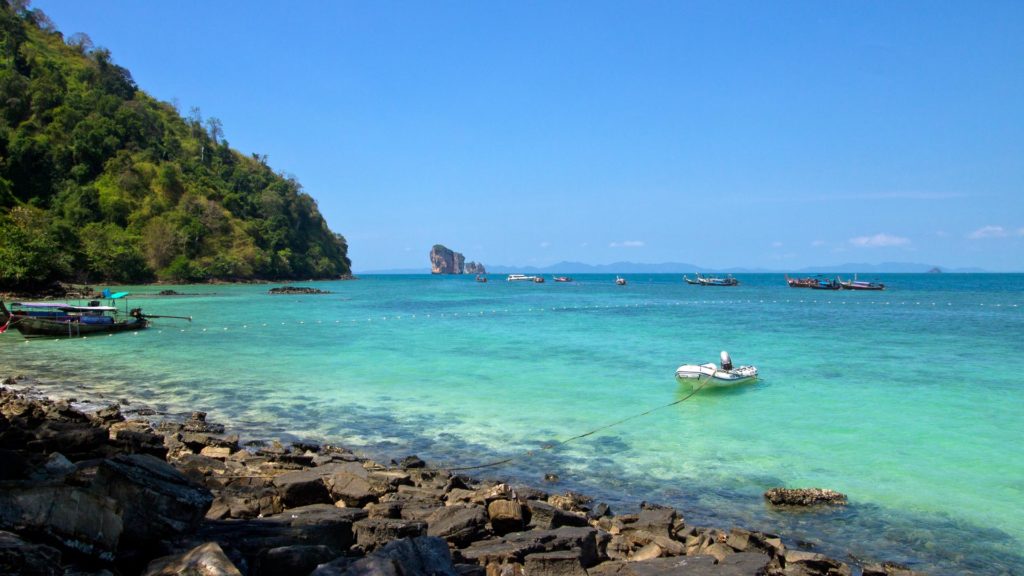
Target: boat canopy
[
  {"x": 64, "y": 306},
  {"x": 106, "y": 294}
]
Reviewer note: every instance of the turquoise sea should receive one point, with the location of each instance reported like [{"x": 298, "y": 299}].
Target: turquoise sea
[{"x": 911, "y": 400}]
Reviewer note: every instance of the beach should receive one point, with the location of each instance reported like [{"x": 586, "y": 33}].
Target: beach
[{"x": 855, "y": 393}]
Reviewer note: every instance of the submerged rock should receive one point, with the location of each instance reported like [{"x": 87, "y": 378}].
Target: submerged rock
[
  {"x": 804, "y": 496},
  {"x": 297, "y": 290}
]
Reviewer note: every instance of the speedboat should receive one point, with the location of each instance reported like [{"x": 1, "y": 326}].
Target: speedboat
[
  {"x": 619, "y": 280},
  {"x": 520, "y": 278},
  {"x": 716, "y": 376}
]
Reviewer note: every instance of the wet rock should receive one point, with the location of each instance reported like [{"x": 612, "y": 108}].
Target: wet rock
[
  {"x": 561, "y": 563},
  {"x": 297, "y": 559},
  {"x": 745, "y": 563},
  {"x": 108, "y": 415},
  {"x": 296, "y": 290},
  {"x": 888, "y": 569},
  {"x": 547, "y": 516},
  {"x": 140, "y": 442},
  {"x": 570, "y": 502},
  {"x": 516, "y": 546},
  {"x": 800, "y": 563},
  {"x": 349, "y": 482},
  {"x": 206, "y": 559},
  {"x": 373, "y": 533},
  {"x": 412, "y": 462},
  {"x": 506, "y": 516},
  {"x": 156, "y": 501},
  {"x": 804, "y": 496},
  {"x": 460, "y": 524},
  {"x": 20, "y": 557}
]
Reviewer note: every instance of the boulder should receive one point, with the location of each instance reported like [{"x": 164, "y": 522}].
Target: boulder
[
  {"x": 800, "y": 563},
  {"x": 804, "y": 496},
  {"x": 76, "y": 440},
  {"x": 506, "y": 516},
  {"x": 424, "y": 555},
  {"x": 296, "y": 559},
  {"x": 546, "y": 516},
  {"x": 373, "y": 533},
  {"x": 20, "y": 557},
  {"x": 71, "y": 515},
  {"x": 206, "y": 560},
  {"x": 460, "y": 524},
  {"x": 139, "y": 442},
  {"x": 561, "y": 563},
  {"x": 516, "y": 546},
  {"x": 302, "y": 488},
  {"x": 156, "y": 501}
]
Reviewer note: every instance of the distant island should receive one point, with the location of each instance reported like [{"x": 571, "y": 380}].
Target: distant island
[
  {"x": 100, "y": 182},
  {"x": 446, "y": 261},
  {"x": 684, "y": 268}
]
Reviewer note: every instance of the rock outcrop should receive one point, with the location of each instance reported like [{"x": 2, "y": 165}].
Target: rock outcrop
[{"x": 446, "y": 261}]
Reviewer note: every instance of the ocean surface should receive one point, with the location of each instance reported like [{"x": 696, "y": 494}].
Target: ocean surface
[{"x": 910, "y": 401}]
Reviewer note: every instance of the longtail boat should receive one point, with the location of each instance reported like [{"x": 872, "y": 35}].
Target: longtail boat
[
  {"x": 860, "y": 284},
  {"x": 713, "y": 280},
  {"x": 60, "y": 319}
]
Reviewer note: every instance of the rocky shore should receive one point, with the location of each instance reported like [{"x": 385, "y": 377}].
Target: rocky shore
[{"x": 112, "y": 491}]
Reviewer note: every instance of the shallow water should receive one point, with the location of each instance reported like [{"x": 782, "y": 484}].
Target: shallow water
[{"x": 908, "y": 400}]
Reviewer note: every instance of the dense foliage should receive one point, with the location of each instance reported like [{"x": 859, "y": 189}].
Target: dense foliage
[{"x": 101, "y": 182}]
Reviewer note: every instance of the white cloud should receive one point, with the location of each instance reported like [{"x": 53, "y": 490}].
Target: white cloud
[
  {"x": 880, "y": 240},
  {"x": 545, "y": 244},
  {"x": 988, "y": 232},
  {"x": 627, "y": 244},
  {"x": 776, "y": 244},
  {"x": 817, "y": 243}
]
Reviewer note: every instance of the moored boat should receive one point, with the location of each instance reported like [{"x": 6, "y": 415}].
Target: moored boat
[
  {"x": 59, "y": 319},
  {"x": 713, "y": 280},
  {"x": 716, "y": 376},
  {"x": 519, "y": 278},
  {"x": 620, "y": 281},
  {"x": 538, "y": 279},
  {"x": 481, "y": 278},
  {"x": 562, "y": 278},
  {"x": 815, "y": 283},
  {"x": 860, "y": 284}
]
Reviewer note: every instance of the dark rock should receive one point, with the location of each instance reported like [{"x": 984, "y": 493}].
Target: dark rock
[
  {"x": 570, "y": 502},
  {"x": 561, "y": 563},
  {"x": 206, "y": 560},
  {"x": 349, "y": 482},
  {"x": 136, "y": 442},
  {"x": 297, "y": 559},
  {"x": 372, "y": 533},
  {"x": 547, "y": 516},
  {"x": 657, "y": 521},
  {"x": 157, "y": 501},
  {"x": 20, "y": 557},
  {"x": 745, "y": 563},
  {"x": 109, "y": 415},
  {"x": 422, "y": 556},
  {"x": 800, "y": 563},
  {"x": 15, "y": 465},
  {"x": 516, "y": 546},
  {"x": 336, "y": 567},
  {"x": 77, "y": 440},
  {"x": 599, "y": 511},
  {"x": 302, "y": 488},
  {"x": 412, "y": 462},
  {"x": 78, "y": 518},
  {"x": 296, "y": 290},
  {"x": 804, "y": 496},
  {"x": 549, "y": 477},
  {"x": 459, "y": 524},
  {"x": 470, "y": 570}
]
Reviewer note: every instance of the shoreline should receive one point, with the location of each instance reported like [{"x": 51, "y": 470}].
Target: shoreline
[{"x": 206, "y": 452}]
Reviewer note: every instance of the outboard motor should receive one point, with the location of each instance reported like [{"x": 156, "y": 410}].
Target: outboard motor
[{"x": 726, "y": 361}]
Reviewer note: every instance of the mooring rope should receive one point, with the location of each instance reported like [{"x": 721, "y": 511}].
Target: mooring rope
[{"x": 551, "y": 446}]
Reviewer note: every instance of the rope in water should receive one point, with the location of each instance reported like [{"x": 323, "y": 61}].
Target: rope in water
[{"x": 529, "y": 453}]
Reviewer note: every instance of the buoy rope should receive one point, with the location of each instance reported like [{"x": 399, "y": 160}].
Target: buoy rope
[{"x": 553, "y": 445}]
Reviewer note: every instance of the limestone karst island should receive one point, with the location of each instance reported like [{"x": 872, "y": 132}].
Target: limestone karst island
[{"x": 446, "y": 261}]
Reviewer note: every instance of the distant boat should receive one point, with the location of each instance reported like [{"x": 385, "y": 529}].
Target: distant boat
[
  {"x": 562, "y": 279},
  {"x": 538, "y": 279},
  {"x": 619, "y": 280},
  {"x": 861, "y": 285},
  {"x": 519, "y": 278},
  {"x": 714, "y": 376},
  {"x": 61, "y": 319},
  {"x": 481, "y": 278},
  {"x": 816, "y": 283},
  {"x": 713, "y": 281}
]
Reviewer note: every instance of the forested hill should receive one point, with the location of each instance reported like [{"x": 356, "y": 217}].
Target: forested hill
[{"x": 101, "y": 182}]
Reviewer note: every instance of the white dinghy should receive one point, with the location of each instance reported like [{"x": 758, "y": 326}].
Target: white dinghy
[{"x": 714, "y": 376}]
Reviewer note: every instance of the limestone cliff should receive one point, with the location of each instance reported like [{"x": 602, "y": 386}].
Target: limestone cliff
[{"x": 445, "y": 261}]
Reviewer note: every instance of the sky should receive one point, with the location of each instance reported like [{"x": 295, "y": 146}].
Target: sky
[{"x": 776, "y": 135}]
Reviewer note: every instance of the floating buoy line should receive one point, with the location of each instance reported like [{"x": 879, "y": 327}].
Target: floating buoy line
[{"x": 534, "y": 310}]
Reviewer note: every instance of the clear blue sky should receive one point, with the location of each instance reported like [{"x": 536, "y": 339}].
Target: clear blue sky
[{"x": 757, "y": 134}]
